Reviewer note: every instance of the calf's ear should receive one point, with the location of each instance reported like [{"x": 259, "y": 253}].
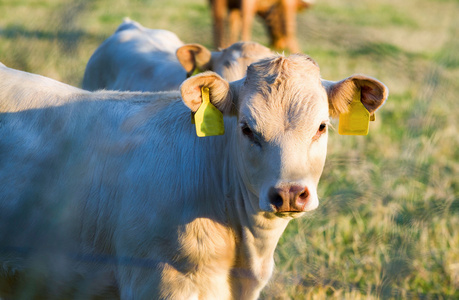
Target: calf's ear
[
  {"x": 221, "y": 94},
  {"x": 194, "y": 57},
  {"x": 340, "y": 93}
]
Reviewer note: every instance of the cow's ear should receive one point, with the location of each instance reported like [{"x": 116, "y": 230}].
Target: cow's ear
[
  {"x": 340, "y": 94},
  {"x": 194, "y": 57},
  {"x": 221, "y": 94}
]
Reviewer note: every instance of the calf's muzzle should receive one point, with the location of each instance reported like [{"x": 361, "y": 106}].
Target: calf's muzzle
[{"x": 289, "y": 198}]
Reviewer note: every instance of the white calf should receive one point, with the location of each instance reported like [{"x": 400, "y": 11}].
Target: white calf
[{"x": 114, "y": 192}]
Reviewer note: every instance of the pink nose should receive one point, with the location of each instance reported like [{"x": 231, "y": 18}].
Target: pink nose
[{"x": 289, "y": 199}]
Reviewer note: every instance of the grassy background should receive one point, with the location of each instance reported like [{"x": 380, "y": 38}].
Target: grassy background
[{"x": 388, "y": 223}]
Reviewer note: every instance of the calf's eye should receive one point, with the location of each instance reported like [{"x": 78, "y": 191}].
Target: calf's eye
[
  {"x": 322, "y": 129},
  {"x": 248, "y": 133}
]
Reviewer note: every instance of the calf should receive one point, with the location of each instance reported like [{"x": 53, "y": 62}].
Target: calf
[
  {"x": 113, "y": 193},
  {"x": 279, "y": 17},
  {"x": 136, "y": 58}
]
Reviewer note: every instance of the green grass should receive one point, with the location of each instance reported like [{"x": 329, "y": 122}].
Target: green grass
[{"x": 388, "y": 223}]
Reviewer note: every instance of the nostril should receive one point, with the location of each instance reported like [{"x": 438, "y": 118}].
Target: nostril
[
  {"x": 304, "y": 195},
  {"x": 275, "y": 198},
  {"x": 277, "y": 201}
]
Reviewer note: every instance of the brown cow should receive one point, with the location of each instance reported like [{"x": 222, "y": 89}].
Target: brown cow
[{"x": 279, "y": 17}]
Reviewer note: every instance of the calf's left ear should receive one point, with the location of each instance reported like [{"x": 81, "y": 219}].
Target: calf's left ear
[
  {"x": 219, "y": 91},
  {"x": 340, "y": 94},
  {"x": 194, "y": 58}
]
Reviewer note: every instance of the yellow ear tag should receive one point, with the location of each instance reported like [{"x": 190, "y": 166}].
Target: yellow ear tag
[
  {"x": 208, "y": 119},
  {"x": 356, "y": 121}
]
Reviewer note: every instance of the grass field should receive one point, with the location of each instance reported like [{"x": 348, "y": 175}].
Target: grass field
[{"x": 388, "y": 223}]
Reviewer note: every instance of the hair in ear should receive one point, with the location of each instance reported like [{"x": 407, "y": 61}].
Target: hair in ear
[
  {"x": 340, "y": 94},
  {"x": 219, "y": 91},
  {"x": 192, "y": 56}
]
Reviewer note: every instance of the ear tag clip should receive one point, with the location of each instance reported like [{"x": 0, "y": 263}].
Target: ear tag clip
[
  {"x": 356, "y": 121},
  {"x": 196, "y": 71},
  {"x": 208, "y": 119}
]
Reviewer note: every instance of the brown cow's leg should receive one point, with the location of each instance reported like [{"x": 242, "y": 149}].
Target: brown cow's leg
[
  {"x": 235, "y": 25},
  {"x": 248, "y": 9},
  {"x": 275, "y": 24},
  {"x": 289, "y": 9},
  {"x": 219, "y": 12}
]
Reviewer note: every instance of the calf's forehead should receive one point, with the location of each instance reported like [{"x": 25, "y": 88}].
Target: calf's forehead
[
  {"x": 235, "y": 59},
  {"x": 247, "y": 50},
  {"x": 284, "y": 93},
  {"x": 296, "y": 71}
]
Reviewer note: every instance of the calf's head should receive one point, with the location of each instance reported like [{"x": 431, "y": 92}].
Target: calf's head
[
  {"x": 283, "y": 109},
  {"x": 231, "y": 63}
]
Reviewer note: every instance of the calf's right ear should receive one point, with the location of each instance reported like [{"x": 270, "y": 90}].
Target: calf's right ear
[
  {"x": 194, "y": 57},
  {"x": 222, "y": 96}
]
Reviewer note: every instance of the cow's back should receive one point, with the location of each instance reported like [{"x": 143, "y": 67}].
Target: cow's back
[
  {"x": 135, "y": 58},
  {"x": 21, "y": 90}
]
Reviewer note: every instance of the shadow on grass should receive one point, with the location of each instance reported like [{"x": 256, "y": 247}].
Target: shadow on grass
[{"x": 61, "y": 26}]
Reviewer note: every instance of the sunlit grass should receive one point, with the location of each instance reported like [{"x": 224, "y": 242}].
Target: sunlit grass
[{"x": 388, "y": 223}]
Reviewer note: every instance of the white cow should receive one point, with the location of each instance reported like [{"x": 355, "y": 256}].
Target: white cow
[
  {"x": 112, "y": 193},
  {"x": 136, "y": 58}
]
